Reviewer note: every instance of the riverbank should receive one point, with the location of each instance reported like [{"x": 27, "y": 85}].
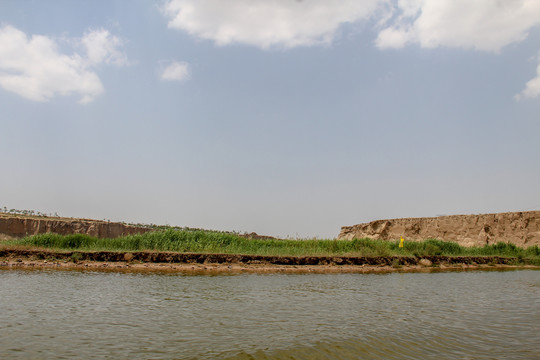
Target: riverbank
[
  {"x": 521, "y": 228},
  {"x": 187, "y": 241},
  {"x": 147, "y": 261}
]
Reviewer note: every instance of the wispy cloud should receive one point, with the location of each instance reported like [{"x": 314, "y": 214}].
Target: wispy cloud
[
  {"x": 103, "y": 47},
  {"x": 176, "y": 71},
  {"x": 532, "y": 88},
  {"x": 34, "y": 68}
]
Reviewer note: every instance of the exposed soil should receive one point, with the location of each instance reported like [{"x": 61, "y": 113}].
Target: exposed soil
[
  {"x": 17, "y": 226},
  {"x": 518, "y": 228},
  {"x": 189, "y": 262}
]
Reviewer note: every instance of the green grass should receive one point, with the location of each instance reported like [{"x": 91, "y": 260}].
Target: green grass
[{"x": 201, "y": 241}]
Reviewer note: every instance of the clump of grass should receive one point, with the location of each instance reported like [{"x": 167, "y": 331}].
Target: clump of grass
[
  {"x": 201, "y": 241},
  {"x": 76, "y": 257},
  {"x": 501, "y": 249},
  {"x": 431, "y": 247}
]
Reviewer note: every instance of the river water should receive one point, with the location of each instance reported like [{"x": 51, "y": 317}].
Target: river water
[{"x": 451, "y": 315}]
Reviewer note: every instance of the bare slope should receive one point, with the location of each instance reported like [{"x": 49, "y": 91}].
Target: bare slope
[
  {"x": 17, "y": 226},
  {"x": 519, "y": 228}
]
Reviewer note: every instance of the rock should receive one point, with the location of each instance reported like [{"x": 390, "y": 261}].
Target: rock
[{"x": 425, "y": 262}]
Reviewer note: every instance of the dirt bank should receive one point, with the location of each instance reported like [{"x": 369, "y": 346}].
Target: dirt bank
[
  {"x": 519, "y": 228},
  {"x": 199, "y": 258},
  {"x": 16, "y": 226},
  {"x": 177, "y": 262}
]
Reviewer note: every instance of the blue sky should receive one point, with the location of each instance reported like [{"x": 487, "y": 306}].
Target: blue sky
[{"x": 287, "y": 118}]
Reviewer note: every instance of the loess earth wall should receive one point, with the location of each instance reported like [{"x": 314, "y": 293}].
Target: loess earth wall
[
  {"x": 519, "y": 228},
  {"x": 17, "y": 226}
]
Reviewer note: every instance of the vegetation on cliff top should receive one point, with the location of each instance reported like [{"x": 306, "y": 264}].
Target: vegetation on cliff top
[{"x": 200, "y": 241}]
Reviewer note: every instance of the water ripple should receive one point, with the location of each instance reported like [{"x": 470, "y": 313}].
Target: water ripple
[{"x": 470, "y": 315}]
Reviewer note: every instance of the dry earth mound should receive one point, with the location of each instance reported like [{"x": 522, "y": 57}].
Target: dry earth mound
[
  {"x": 17, "y": 226},
  {"x": 519, "y": 228}
]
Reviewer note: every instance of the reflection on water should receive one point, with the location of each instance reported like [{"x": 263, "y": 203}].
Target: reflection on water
[{"x": 468, "y": 315}]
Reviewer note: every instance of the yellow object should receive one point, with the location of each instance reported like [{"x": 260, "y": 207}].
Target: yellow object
[{"x": 401, "y": 242}]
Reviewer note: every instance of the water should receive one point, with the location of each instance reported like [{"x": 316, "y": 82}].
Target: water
[{"x": 458, "y": 315}]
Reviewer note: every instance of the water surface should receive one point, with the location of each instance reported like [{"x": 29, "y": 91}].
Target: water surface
[{"x": 457, "y": 315}]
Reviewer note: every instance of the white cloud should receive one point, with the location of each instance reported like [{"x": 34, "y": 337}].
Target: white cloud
[
  {"x": 487, "y": 25},
  {"x": 532, "y": 88},
  {"x": 176, "y": 71},
  {"x": 102, "y": 47},
  {"x": 34, "y": 68},
  {"x": 267, "y": 23},
  {"x": 475, "y": 24}
]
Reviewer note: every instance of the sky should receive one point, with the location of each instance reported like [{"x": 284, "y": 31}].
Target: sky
[{"x": 289, "y": 118}]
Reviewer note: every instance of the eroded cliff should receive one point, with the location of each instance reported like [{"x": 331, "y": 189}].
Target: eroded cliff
[
  {"x": 519, "y": 228},
  {"x": 16, "y": 226}
]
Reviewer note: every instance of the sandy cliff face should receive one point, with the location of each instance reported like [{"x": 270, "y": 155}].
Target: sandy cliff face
[
  {"x": 519, "y": 228},
  {"x": 16, "y": 226}
]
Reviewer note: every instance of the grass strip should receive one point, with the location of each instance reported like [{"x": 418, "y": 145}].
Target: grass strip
[{"x": 201, "y": 241}]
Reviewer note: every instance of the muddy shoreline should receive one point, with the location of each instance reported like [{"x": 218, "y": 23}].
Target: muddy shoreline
[{"x": 146, "y": 261}]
